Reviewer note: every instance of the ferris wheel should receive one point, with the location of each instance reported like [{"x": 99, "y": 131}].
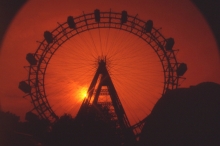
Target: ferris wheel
[{"x": 138, "y": 60}]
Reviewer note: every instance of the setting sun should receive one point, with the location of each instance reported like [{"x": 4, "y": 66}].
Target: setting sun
[
  {"x": 82, "y": 93},
  {"x": 97, "y": 73},
  {"x": 134, "y": 67}
]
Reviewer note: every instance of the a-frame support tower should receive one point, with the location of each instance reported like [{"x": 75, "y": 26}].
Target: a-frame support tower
[{"x": 102, "y": 80}]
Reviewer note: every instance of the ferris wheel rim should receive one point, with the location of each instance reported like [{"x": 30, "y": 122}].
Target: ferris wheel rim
[{"x": 63, "y": 33}]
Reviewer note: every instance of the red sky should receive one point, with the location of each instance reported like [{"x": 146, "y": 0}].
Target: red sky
[{"x": 180, "y": 20}]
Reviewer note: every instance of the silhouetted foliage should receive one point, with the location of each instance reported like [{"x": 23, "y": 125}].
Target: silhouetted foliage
[
  {"x": 9, "y": 131},
  {"x": 8, "y": 123},
  {"x": 38, "y": 128},
  {"x": 92, "y": 130},
  {"x": 62, "y": 130},
  {"x": 185, "y": 117}
]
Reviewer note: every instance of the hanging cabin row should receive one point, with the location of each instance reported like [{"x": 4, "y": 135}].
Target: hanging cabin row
[
  {"x": 124, "y": 17},
  {"x": 70, "y": 21}
]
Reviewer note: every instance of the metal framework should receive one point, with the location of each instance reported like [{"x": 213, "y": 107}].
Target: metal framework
[
  {"x": 92, "y": 101},
  {"x": 86, "y": 22}
]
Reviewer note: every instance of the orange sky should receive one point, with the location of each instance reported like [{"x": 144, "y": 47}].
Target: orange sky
[{"x": 180, "y": 20}]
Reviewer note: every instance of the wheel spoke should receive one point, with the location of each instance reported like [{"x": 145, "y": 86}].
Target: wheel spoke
[{"x": 141, "y": 67}]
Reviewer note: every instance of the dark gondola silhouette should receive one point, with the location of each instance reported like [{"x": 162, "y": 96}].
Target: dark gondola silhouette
[{"x": 112, "y": 112}]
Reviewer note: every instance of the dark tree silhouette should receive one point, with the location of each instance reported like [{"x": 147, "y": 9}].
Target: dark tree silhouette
[
  {"x": 96, "y": 128},
  {"x": 91, "y": 130},
  {"x": 36, "y": 127},
  {"x": 185, "y": 117},
  {"x": 11, "y": 131},
  {"x": 8, "y": 124}
]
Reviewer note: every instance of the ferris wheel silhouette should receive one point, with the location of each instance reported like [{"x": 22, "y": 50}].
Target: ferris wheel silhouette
[{"x": 123, "y": 62}]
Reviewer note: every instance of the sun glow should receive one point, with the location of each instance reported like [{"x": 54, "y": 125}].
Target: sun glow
[
  {"x": 72, "y": 70},
  {"x": 82, "y": 93}
]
